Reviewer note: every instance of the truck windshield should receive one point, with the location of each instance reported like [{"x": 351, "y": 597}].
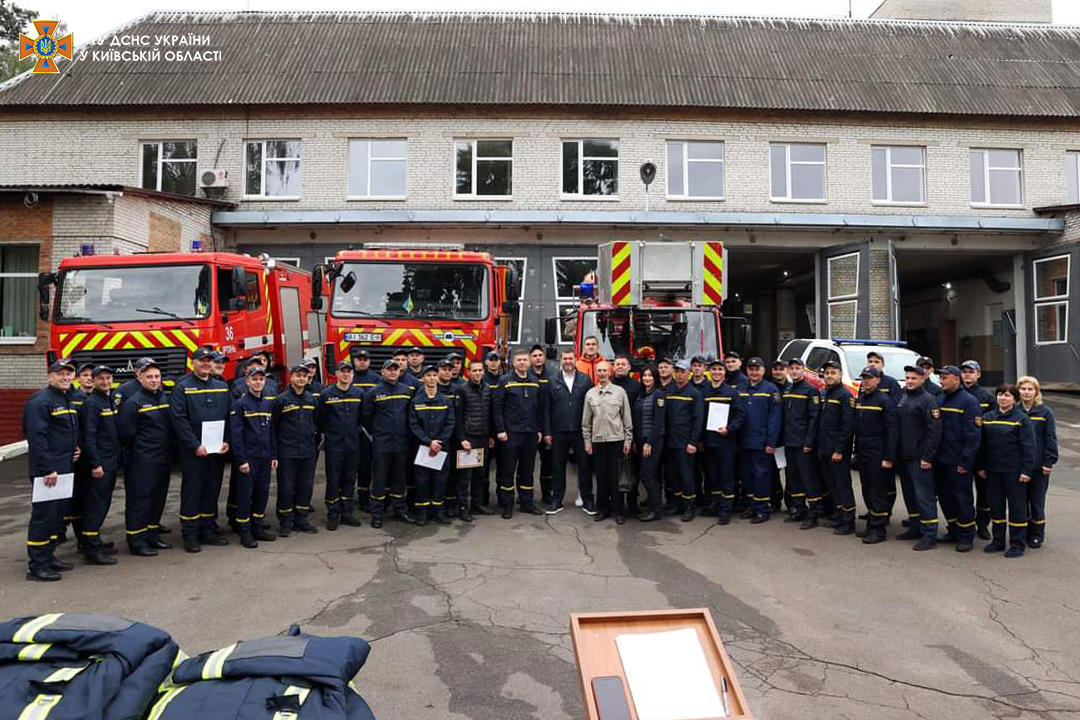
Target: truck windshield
[
  {"x": 673, "y": 334},
  {"x": 134, "y": 292},
  {"x": 422, "y": 289}
]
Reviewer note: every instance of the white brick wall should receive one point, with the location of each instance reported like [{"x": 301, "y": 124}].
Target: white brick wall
[{"x": 105, "y": 148}]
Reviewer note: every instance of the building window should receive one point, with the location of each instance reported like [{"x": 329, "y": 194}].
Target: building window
[
  {"x": 843, "y": 290},
  {"x": 590, "y": 167},
  {"x": 18, "y": 293},
  {"x": 169, "y": 166},
  {"x": 797, "y": 172},
  {"x": 483, "y": 168},
  {"x": 1051, "y": 299},
  {"x": 272, "y": 169},
  {"x": 1072, "y": 177},
  {"x": 377, "y": 169},
  {"x": 695, "y": 170},
  {"x": 899, "y": 174},
  {"x": 568, "y": 272},
  {"x": 294, "y": 261},
  {"x": 519, "y": 264},
  {"x": 997, "y": 178}
]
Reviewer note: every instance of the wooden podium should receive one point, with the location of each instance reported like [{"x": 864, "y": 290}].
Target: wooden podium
[{"x": 594, "y": 634}]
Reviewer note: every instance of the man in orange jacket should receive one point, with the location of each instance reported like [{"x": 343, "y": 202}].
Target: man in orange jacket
[{"x": 587, "y": 363}]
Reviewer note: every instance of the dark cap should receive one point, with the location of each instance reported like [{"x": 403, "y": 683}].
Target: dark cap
[
  {"x": 429, "y": 368},
  {"x": 831, "y": 364},
  {"x": 949, "y": 370},
  {"x": 83, "y": 367},
  {"x": 870, "y": 371},
  {"x": 716, "y": 362},
  {"x": 755, "y": 362},
  {"x": 875, "y": 354},
  {"x": 346, "y": 365},
  {"x": 219, "y": 356},
  {"x": 453, "y": 357},
  {"x": 682, "y": 365},
  {"x": 915, "y": 369},
  {"x": 971, "y": 365},
  {"x": 732, "y": 354},
  {"x": 387, "y": 364},
  {"x": 445, "y": 362},
  {"x": 299, "y": 368},
  {"x": 778, "y": 363},
  {"x": 399, "y": 351},
  {"x": 796, "y": 361},
  {"x": 255, "y": 370},
  {"x": 62, "y": 364},
  {"x": 413, "y": 349},
  {"x": 202, "y": 353},
  {"x": 143, "y": 363},
  {"x": 492, "y": 355},
  {"x": 358, "y": 352},
  {"x": 698, "y": 359},
  {"x": 536, "y": 347},
  {"x": 925, "y": 361},
  {"x": 99, "y": 369}
]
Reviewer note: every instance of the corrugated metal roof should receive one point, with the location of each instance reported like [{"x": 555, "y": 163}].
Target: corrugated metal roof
[{"x": 574, "y": 60}]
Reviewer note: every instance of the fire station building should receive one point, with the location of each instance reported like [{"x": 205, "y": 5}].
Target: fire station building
[{"x": 878, "y": 179}]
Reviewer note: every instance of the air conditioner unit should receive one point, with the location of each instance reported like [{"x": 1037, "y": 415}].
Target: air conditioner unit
[{"x": 215, "y": 178}]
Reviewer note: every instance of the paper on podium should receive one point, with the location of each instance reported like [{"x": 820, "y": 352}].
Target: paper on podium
[
  {"x": 657, "y": 663},
  {"x": 425, "y": 459},
  {"x": 213, "y": 436},
  {"x": 718, "y": 416},
  {"x": 781, "y": 458},
  {"x": 62, "y": 490}
]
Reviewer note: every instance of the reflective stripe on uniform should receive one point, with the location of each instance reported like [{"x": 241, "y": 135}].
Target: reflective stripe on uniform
[
  {"x": 40, "y": 707},
  {"x": 34, "y": 652},
  {"x": 159, "y": 706},
  {"x": 300, "y": 692},
  {"x": 215, "y": 664},
  {"x": 26, "y": 633}
]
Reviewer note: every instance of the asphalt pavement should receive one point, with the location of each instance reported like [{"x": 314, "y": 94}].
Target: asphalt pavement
[{"x": 471, "y": 621}]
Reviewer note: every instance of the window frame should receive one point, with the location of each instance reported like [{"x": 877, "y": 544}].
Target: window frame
[
  {"x": 788, "y": 162},
  {"x": 403, "y": 159},
  {"x": 475, "y": 142},
  {"x": 832, "y": 301},
  {"x": 555, "y": 272},
  {"x": 1019, "y": 170},
  {"x": 685, "y": 170},
  {"x": 1072, "y": 158},
  {"x": 262, "y": 196},
  {"x": 1051, "y": 300},
  {"x": 579, "y": 195},
  {"x": 889, "y": 165},
  {"x": 524, "y": 274},
  {"x": 24, "y": 339},
  {"x": 160, "y": 175}
]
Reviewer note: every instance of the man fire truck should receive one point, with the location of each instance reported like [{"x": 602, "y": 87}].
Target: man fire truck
[
  {"x": 436, "y": 298},
  {"x": 653, "y": 300},
  {"x": 113, "y": 309}
]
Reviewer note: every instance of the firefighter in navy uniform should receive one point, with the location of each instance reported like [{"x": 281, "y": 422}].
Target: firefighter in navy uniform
[
  {"x": 759, "y": 439},
  {"x": 50, "y": 426},
  {"x": 800, "y": 410},
  {"x": 835, "y": 427},
  {"x": 877, "y": 432},
  {"x": 313, "y": 385},
  {"x": 781, "y": 488},
  {"x": 293, "y": 425},
  {"x": 539, "y": 369},
  {"x": 101, "y": 450},
  {"x": 130, "y": 387},
  {"x": 720, "y": 444},
  {"x": 521, "y": 422},
  {"x": 1007, "y": 463},
  {"x": 970, "y": 372},
  {"x": 448, "y": 384},
  {"x": 338, "y": 416},
  {"x": 197, "y": 398},
  {"x": 364, "y": 378},
  {"x": 146, "y": 434},
  {"x": 888, "y": 384},
  {"x": 386, "y": 417},
  {"x": 927, "y": 364},
  {"x": 472, "y": 427},
  {"x": 81, "y": 387},
  {"x": 492, "y": 377},
  {"x": 431, "y": 420},
  {"x": 920, "y": 436},
  {"x": 961, "y": 434},
  {"x": 684, "y": 420},
  {"x": 1046, "y": 456},
  {"x": 254, "y": 449}
]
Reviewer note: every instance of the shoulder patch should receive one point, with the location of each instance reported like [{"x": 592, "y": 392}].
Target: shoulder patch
[
  {"x": 659, "y": 402},
  {"x": 817, "y": 399},
  {"x": 978, "y": 421},
  {"x": 935, "y": 413}
]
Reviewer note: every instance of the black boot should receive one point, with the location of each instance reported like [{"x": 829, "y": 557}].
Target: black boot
[
  {"x": 247, "y": 539},
  {"x": 262, "y": 534},
  {"x": 42, "y": 575}
]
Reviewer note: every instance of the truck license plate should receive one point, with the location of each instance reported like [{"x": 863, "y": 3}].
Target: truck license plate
[{"x": 363, "y": 337}]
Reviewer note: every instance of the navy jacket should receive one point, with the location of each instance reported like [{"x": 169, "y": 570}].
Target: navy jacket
[
  {"x": 125, "y": 391},
  {"x": 684, "y": 416},
  {"x": 920, "y": 426},
  {"x": 1008, "y": 443},
  {"x": 648, "y": 415},
  {"x": 730, "y": 396},
  {"x": 520, "y": 405},
  {"x": 193, "y": 402},
  {"x": 364, "y": 381},
  {"x": 250, "y": 432},
  {"x": 51, "y": 427},
  {"x": 239, "y": 388},
  {"x": 337, "y": 417},
  {"x": 987, "y": 401},
  {"x": 761, "y": 428},
  {"x": 630, "y": 386},
  {"x": 386, "y": 416},
  {"x": 432, "y": 419},
  {"x": 802, "y": 401},
  {"x": 737, "y": 380},
  {"x": 567, "y": 406},
  {"x": 961, "y": 429},
  {"x": 145, "y": 427},
  {"x": 877, "y": 427},
  {"x": 1045, "y": 427},
  {"x": 293, "y": 424},
  {"x": 890, "y": 387},
  {"x": 835, "y": 422},
  {"x": 100, "y": 432}
]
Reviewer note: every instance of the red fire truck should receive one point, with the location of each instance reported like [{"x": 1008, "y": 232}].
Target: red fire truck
[
  {"x": 651, "y": 300},
  {"x": 439, "y": 298},
  {"x": 114, "y": 309}
]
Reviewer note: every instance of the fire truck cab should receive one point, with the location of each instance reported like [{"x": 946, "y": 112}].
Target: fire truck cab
[
  {"x": 114, "y": 309},
  {"x": 651, "y": 300}
]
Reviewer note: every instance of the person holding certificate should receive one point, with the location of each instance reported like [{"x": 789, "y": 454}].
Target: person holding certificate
[
  {"x": 52, "y": 433},
  {"x": 472, "y": 427},
  {"x": 724, "y": 414}
]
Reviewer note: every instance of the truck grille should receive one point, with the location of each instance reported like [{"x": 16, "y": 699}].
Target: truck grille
[
  {"x": 172, "y": 361},
  {"x": 381, "y": 353}
]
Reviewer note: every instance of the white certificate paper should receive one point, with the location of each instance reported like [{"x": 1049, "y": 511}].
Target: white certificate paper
[
  {"x": 213, "y": 435},
  {"x": 668, "y": 676},
  {"x": 62, "y": 490},
  {"x": 470, "y": 458},
  {"x": 718, "y": 416},
  {"x": 781, "y": 458},
  {"x": 425, "y": 459}
]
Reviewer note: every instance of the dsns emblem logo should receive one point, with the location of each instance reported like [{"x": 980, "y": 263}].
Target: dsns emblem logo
[{"x": 47, "y": 47}]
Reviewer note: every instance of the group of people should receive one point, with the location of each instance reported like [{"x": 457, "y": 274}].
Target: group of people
[{"x": 985, "y": 458}]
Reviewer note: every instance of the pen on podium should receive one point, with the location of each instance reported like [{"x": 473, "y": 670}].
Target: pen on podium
[{"x": 727, "y": 711}]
